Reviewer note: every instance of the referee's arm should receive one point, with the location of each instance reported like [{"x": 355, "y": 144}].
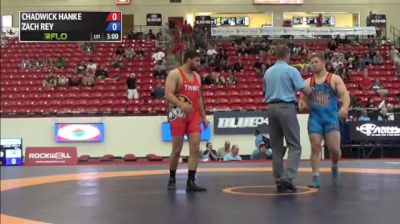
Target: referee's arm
[{"x": 299, "y": 84}]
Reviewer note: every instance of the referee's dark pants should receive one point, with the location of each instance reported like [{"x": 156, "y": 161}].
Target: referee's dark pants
[{"x": 283, "y": 123}]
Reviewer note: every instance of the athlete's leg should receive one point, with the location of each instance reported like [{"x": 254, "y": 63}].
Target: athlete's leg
[
  {"x": 194, "y": 150},
  {"x": 333, "y": 141},
  {"x": 315, "y": 140},
  {"x": 177, "y": 132},
  {"x": 315, "y": 133},
  {"x": 194, "y": 147},
  {"x": 177, "y": 143}
]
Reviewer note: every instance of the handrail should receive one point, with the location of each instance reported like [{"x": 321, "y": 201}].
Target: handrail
[{"x": 396, "y": 35}]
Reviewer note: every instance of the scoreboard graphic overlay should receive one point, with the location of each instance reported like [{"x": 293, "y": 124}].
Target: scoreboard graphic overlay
[{"x": 70, "y": 26}]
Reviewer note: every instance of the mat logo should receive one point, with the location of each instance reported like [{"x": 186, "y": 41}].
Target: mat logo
[
  {"x": 57, "y": 155},
  {"x": 241, "y": 122},
  {"x": 374, "y": 130}
]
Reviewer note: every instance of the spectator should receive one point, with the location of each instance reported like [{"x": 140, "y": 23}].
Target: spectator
[
  {"x": 233, "y": 155},
  {"x": 209, "y": 154},
  {"x": 151, "y": 35},
  {"x": 394, "y": 55},
  {"x": 50, "y": 81},
  {"x": 291, "y": 45},
  {"x": 211, "y": 52},
  {"x": 328, "y": 54},
  {"x": 158, "y": 56},
  {"x": 62, "y": 81},
  {"x": 319, "y": 20},
  {"x": 161, "y": 42},
  {"x": 384, "y": 41},
  {"x": 88, "y": 80},
  {"x": 347, "y": 41},
  {"x": 332, "y": 45},
  {"x": 261, "y": 152},
  {"x": 37, "y": 63},
  {"x": 257, "y": 65},
  {"x": 47, "y": 63},
  {"x": 117, "y": 62},
  {"x": 224, "y": 150},
  {"x": 160, "y": 70},
  {"x": 259, "y": 138},
  {"x": 384, "y": 103},
  {"x": 60, "y": 63},
  {"x": 304, "y": 49},
  {"x": 366, "y": 83},
  {"x": 354, "y": 101},
  {"x": 356, "y": 41},
  {"x": 238, "y": 67},
  {"x": 198, "y": 38},
  {"x": 225, "y": 65},
  {"x": 216, "y": 78},
  {"x": 25, "y": 64},
  {"x": 252, "y": 50},
  {"x": 378, "y": 87},
  {"x": 222, "y": 55},
  {"x": 385, "y": 116},
  {"x": 75, "y": 80},
  {"x": 140, "y": 52},
  {"x": 88, "y": 47},
  {"x": 81, "y": 68},
  {"x": 158, "y": 91},
  {"x": 343, "y": 71},
  {"x": 186, "y": 31},
  {"x": 370, "y": 17},
  {"x": 130, "y": 53},
  {"x": 231, "y": 80},
  {"x": 102, "y": 72},
  {"x": 378, "y": 58},
  {"x": 338, "y": 40},
  {"x": 364, "y": 116},
  {"x": 132, "y": 92},
  {"x": 120, "y": 50},
  {"x": 355, "y": 65},
  {"x": 91, "y": 67},
  {"x": 370, "y": 103}
]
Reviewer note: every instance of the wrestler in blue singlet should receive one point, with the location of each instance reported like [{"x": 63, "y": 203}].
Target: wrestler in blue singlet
[{"x": 323, "y": 108}]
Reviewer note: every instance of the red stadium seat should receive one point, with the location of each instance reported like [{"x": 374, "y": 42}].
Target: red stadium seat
[{"x": 130, "y": 158}]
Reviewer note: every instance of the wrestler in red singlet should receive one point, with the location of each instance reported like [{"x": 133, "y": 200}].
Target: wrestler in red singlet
[
  {"x": 188, "y": 92},
  {"x": 186, "y": 113}
]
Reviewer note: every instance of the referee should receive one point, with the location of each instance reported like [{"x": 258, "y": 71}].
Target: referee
[{"x": 281, "y": 83}]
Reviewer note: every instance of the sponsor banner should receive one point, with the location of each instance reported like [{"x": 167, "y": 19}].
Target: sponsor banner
[
  {"x": 83, "y": 132},
  {"x": 154, "y": 19},
  {"x": 374, "y": 130},
  {"x": 202, "y": 21},
  {"x": 240, "y": 122},
  {"x": 50, "y": 156},
  {"x": 277, "y": 31}
]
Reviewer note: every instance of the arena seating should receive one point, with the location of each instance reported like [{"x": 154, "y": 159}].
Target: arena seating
[{"x": 22, "y": 93}]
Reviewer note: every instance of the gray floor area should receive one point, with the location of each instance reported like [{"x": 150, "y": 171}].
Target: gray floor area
[
  {"x": 23, "y": 171},
  {"x": 361, "y": 198}
]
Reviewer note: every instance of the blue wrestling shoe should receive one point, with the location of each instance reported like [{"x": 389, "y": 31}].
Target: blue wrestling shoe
[{"x": 315, "y": 183}]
